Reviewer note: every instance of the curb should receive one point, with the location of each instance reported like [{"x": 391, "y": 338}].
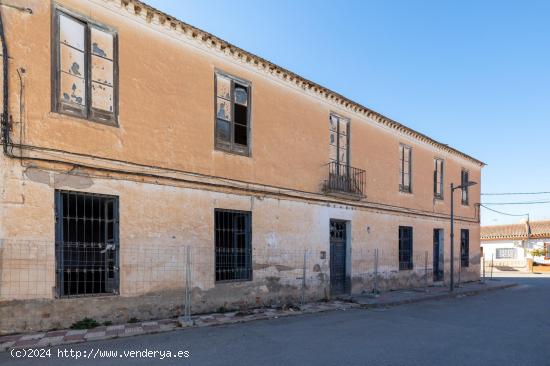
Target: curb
[
  {"x": 436, "y": 297},
  {"x": 55, "y": 338}
]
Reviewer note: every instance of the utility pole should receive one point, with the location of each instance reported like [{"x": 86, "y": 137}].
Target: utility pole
[
  {"x": 452, "y": 287},
  {"x": 453, "y": 188}
]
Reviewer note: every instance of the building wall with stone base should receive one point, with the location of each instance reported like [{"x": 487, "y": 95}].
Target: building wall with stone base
[{"x": 160, "y": 219}]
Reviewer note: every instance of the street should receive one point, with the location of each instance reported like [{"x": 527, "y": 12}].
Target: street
[{"x": 504, "y": 327}]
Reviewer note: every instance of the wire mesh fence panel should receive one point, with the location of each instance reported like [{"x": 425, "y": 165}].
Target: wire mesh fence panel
[
  {"x": 187, "y": 279},
  {"x": 27, "y": 269}
]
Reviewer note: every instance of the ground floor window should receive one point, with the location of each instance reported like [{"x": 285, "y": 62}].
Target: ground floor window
[
  {"x": 465, "y": 248},
  {"x": 405, "y": 247},
  {"x": 86, "y": 244},
  {"x": 506, "y": 253},
  {"x": 233, "y": 234}
]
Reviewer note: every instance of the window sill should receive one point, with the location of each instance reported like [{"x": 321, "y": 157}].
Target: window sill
[
  {"x": 106, "y": 294},
  {"x": 231, "y": 152},
  {"x": 60, "y": 116}
]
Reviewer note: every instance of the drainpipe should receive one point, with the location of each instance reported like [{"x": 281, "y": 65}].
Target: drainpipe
[{"x": 5, "y": 89}]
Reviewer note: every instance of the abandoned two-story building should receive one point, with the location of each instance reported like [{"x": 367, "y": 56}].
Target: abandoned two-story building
[{"x": 130, "y": 136}]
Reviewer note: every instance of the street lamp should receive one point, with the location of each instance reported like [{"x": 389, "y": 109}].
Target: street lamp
[{"x": 453, "y": 188}]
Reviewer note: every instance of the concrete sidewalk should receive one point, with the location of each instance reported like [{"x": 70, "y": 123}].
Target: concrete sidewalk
[
  {"x": 400, "y": 297},
  {"x": 392, "y": 298}
]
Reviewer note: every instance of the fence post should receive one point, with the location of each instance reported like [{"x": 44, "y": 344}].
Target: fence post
[
  {"x": 483, "y": 258},
  {"x": 426, "y": 271},
  {"x": 375, "y": 290},
  {"x": 492, "y": 264},
  {"x": 303, "y": 299},
  {"x": 459, "y": 269},
  {"x": 187, "y": 289}
]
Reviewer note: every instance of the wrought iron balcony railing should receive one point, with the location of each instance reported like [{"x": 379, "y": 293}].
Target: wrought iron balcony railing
[{"x": 346, "y": 179}]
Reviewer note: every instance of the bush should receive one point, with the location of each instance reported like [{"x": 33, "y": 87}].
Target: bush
[
  {"x": 538, "y": 252},
  {"x": 86, "y": 323}
]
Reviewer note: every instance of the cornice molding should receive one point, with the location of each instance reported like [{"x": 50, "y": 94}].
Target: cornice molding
[{"x": 154, "y": 16}]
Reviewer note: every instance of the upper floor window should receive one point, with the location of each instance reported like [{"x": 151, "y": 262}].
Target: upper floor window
[
  {"x": 85, "y": 65},
  {"x": 438, "y": 178},
  {"x": 232, "y": 114},
  {"x": 464, "y": 179},
  {"x": 405, "y": 153},
  {"x": 339, "y": 140}
]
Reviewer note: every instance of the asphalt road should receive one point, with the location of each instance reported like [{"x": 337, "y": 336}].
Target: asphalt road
[{"x": 505, "y": 327}]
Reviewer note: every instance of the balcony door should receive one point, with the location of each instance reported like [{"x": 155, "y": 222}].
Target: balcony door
[{"x": 339, "y": 144}]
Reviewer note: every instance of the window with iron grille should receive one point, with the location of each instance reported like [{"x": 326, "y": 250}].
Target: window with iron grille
[
  {"x": 233, "y": 237},
  {"x": 405, "y": 247},
  {"x": 405, "y": 154},
  {"x": 505, "y": 253},
  {"x": 232, "y": 114},
  {"x": 86, "y": 244},
  {"x": 464, "y": 179},
  {"x": 85, "y": 68},
  {"x": 547, "y": 248},
  {"x": 438, "y": 178},
  {"x": 465, "y": 247}
]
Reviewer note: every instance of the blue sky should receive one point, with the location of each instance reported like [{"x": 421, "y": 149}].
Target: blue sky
[{"x": 472, "y": 74}]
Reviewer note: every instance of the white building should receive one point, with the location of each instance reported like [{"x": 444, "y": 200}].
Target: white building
[{"x": 511, "y": 245}]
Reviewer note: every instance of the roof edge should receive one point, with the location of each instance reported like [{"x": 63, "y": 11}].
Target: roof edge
[{"x": 147, "y": 11}]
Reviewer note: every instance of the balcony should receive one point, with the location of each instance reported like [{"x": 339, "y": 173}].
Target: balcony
[{"x": 345, "y": 180}]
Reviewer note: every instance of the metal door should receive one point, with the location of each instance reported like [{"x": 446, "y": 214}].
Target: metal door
[{"x": 337, "y": 257}]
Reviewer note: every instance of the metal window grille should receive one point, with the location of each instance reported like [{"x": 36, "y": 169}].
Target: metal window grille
[
  {"x": 464, "y": 247},
  {"x": 405, "y": 247},
  {"x": 86, "y": 244},
  {"x": 233, "y": 245}
]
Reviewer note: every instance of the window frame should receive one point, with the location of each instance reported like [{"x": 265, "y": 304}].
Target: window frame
[
  {"x": 402, "y": 187},
  {"x": 547, "y": 251},
  {"x": 499, "y": 251},
  {"x": 406, "y": 265},
  {"x": 89, "y": 113},
  {"x": 464, "y": 192},
  {"x": 231, "y": 149},
  {"x": 248, "y": 244},
  {"x": 464, "y": 243},
  {"x": 441, "y": 184},
  {"x": 60, "y": 241},
  {"x": 338, "y": 133}
]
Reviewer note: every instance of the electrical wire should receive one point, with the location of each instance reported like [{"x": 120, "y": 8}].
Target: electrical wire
[
  {"x": 513, "y": 193},
  {"x": 515, "y": 203},
  {"x": 502, "y": 213}
]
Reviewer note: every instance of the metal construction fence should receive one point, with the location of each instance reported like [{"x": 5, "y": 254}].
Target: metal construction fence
[{"x": 195, "y": 278}]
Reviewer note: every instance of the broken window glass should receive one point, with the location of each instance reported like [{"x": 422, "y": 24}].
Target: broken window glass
[{"x": 241, "y": 96}]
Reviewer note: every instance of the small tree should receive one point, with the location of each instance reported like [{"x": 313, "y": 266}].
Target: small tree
[{"x": 541, "y": 252}]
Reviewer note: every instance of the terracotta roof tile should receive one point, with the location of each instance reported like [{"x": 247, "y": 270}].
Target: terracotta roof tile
[{"x": 539, "y": 229}]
